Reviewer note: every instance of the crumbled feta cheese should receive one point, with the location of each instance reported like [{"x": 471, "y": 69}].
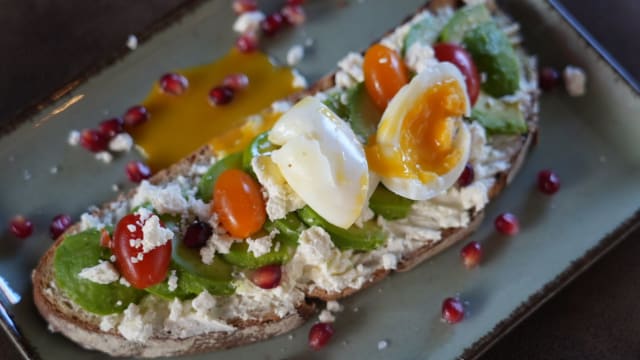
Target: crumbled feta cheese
[
  {"x": 112, "y": 258},
  {"x": 295, "y": 55},
  {"x": 163, "y": 198},
  {"x": 90, "y": 221},
  {"x": 173, "y": 281},
  {"x": 74, "y": 138},
  {"x": 54, "y": 170},
  {"x": 108, "y": 322},
  {"x": 299, "y": 81},
  {"x": 143, "y": 214},
  {"x": 326, "y": 316},
  {"x": 575, "y": 80},
  {"x": 420, "y": 56},
  {"x": 389, "y": 261},
  {"x": 280, "y": 106},
  {"x": 350, "y": 72},
  {"x": 281, "y": 199},
  {"x": 104, "y": 156},
  {"x": 334, "y": 306},
  {"x": 103, "y": 273},
  {"x": 132, "y": 42},
  {"x": 133, "y": 326},
  {"x": 131, "y": 228},
  {"x": 382, "y": 344},
  {"x": 154, "y": 234},
  {"x": 124, "y": 282},
  {"x": 217, "y": 243},
  {"x": 261, "y": 245},
  {"x": 115, "y": 187},
  {"x": 248, "y": 22},
  {"x": 121, "y": 143}
]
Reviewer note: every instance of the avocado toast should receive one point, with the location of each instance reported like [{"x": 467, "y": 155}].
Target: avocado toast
[{"x": 194, "y": 311}]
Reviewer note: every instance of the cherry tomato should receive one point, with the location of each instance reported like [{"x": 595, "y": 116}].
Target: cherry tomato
[
  {"x": 237, "y": 200},
  {"x": 459, "y": 57},
  {"x": 384, "y": 74},
  {"x": 153, "y": 267}
]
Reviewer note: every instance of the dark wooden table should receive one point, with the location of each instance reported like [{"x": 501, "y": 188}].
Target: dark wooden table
[{"x": 47, "y": 43}]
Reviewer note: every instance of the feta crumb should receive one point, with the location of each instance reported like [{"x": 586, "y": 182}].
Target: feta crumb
[
  {"x": 334, "y": 306},
  {"x": 119, "y": 303},
  {"x": 112, "y": 258},
  {"x": 280, "y": 106},
  {"x": 166, "y": 198},
  {"x": 308, "y": 42},
  {"x": 299, "y": 81},
  {"x": 295, "y": 55},
  {"x": 217, "y": 243},
  {"x": 420, "y": 57},
  {"x": 352, "y": 65},
  {"x": 382, "y": 344},
  {"x": 103, "y": 273},
  {"x": 115, "y": 187},
  {"x": 154, "y": 234},
  {"x": 132, "y": 42},
  {"x": 389, "y": 261},
  {"x": 124, "y": 282},
  {"x": 54, "y": 170},
  {"x": 575, "y": 80},
  {"x": 104, "y": 156},
  {"x": 144, "y": 214},
  {"x": 326, "y": 316},
  {"x": 133, "y": 326},
  {"x": 290, "y": 337},
  {"x": 248, "y": 22},
  {"x": 90, "y": 221},
  {"x": 173, "y": 281},
  {"x": 122, "y": 142},
  {"x": 74, "y": 138},
  {"x": 131, "y": 228},
  {"x": 108, "y": 322},
  {"x": 261, "y": 245},
  {"x": 203, "y": 303}
]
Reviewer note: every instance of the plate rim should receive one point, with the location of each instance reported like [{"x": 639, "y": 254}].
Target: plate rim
[{"x": 486, "y": 341}]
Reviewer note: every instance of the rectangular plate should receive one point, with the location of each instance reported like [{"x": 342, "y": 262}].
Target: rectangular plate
[{"x": 590, "y": 141}]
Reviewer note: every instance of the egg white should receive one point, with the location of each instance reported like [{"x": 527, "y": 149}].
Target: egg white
[{"x": 322, "y": 160}]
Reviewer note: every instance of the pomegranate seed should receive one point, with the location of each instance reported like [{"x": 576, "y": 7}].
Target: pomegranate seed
[
  {"x": 467, "y": 176},
  {"x": 174, "y": 84},
  {"x": 236, "y": 82},
  {"x": 105, "y": 239},
  {"x": 247, "y": 43},
  {"x": 471, "y": 254},
  {"x": 137, "y": 171},
  {"x": 295, "y": 2},
  {"x": 293, "y": 14},
  {"x": 319, "y": 335},
  {"x": 452, "y": 310},
  {"x": 197, "y": 234},
  {"x": 272, "y": 24},
  {"x": 549, "y": 78},
  {"x": 548, "y": 182},
  {"x": 21, "y": 226},
  {"x": 267, "y": 277},
  {"x": 111, "y": 127},
  {"x": 220, "y": 95},
  {"x": 242, "y": 6},
  {"x": 136, "y": 115},
  {"x": 59, "y": 224},
  {"x": 507, "y": 223},
  {"x": 93, "y": 140}
]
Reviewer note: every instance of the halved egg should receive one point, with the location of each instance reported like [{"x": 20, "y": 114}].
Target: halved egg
[
  {"x": 422, "y": 144},
  {"x": 322, "y": 160}
]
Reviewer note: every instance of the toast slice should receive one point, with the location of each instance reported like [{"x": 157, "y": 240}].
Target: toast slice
[{"x": 95, "y": 332}]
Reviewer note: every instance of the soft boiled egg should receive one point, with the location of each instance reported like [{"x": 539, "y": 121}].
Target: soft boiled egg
[
  {"x": 322, "y": 160},
  {"x": 422, "y": 144}
]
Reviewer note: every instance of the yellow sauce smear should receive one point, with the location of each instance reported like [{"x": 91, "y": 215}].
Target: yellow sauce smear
[
  {"x": 426, "y": 140},
  {"x": 181, "y": 124}
]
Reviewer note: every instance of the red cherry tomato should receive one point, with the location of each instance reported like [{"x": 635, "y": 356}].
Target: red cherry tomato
[
  {"x": 238, "y": 201},
  {"x": 153, "y": 267},
  {"x": 384, "y": 74},
  {"x": 459, "y": 57}
]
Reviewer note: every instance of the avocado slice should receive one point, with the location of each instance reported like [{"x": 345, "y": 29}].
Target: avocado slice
[
  {"x": 364, "y": 115},
  {"x": 369, "y": 237},
  {"x": 498, "y": 117},
  {"x": 80, "y": 251},
  {"x": 463, "y": 20},
  {"x": 206, "y": 184},
  {"x": 389, "y": 205},
  {"x": 189, "y": 285},
  {"x": 493, "y": 54},
  {"x": 289, "y": 230},
  {"x": 424, "y": 31},
  {"x": 215, "y": 277}
]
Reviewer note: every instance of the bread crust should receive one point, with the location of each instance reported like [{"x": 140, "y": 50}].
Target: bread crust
[{"x": 83, "y": 327}]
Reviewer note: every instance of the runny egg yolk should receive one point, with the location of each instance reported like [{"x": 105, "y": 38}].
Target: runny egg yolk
[{"x": 425, "y": 147}]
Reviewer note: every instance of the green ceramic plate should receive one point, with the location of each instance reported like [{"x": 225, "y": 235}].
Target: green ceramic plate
[{"x": 590, "y": 141}]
